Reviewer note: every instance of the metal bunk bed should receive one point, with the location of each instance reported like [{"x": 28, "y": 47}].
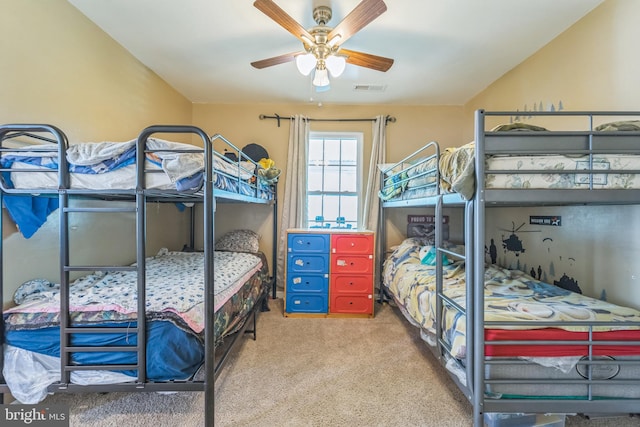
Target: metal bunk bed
[
  {"x": 208, "y": 196},
  {"x": 474, "y": 372}
]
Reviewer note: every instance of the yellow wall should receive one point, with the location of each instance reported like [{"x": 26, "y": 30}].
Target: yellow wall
[
  {"x": 241, "y": 125},
  {"x": 591, "y": 66},
  {"x": 59, "y": 68}
]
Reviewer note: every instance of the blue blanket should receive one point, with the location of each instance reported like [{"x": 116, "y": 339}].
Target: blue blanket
[
  {"x": 172, "y": 354},
  {"x": 29, "y": 212}
]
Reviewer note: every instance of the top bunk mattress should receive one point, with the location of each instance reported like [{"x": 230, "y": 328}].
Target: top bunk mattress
[
  {"x": 520, "y": 156},
  {"x": 112, "y": 166}
]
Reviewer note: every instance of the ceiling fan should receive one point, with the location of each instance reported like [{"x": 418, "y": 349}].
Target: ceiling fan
[{"x": 323, "y": 44}]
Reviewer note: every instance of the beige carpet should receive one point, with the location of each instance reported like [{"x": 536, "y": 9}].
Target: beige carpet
[{"x": 310, "y": 372}]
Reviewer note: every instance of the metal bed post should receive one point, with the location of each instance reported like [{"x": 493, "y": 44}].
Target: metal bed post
[
  {"x": 209, "y": 269},
  {"x": 439, "y": 275},
  {"x": 381, "y": 243},
  {"x": 477, "y": 385},
  {"x": 63, "y": 182},
  {"x": 209, "y": 208},
  {"x": 2, "y": 380},
  {"x": 274, "y": 244},
  {"x": 141, "y": 231},
  {"x": 470, "y": 267}
]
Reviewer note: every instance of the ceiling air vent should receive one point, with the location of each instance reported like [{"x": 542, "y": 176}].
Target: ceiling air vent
[{"x": 368, "y": 88}]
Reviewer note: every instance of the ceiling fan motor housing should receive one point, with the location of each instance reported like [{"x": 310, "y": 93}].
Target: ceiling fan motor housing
[{"x": 322, "y": 15}]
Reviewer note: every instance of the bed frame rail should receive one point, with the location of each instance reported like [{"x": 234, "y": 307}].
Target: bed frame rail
[
  {"x": 588, "y": 142},
  {"x": 141, "y": 195}
]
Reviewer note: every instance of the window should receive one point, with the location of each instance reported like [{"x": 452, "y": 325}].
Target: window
[{"x": 334, "y": 179}]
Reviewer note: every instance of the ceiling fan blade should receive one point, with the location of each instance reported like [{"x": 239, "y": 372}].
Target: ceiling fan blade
[
  {"x": 281, "y": 17},
  {"x": 281, "y": 59},
  {"x": 367, "y": 60},
  {"x": 363, "y": 14}
]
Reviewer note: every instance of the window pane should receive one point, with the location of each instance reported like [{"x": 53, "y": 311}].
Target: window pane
[
  {"x": 349, "y": 151},
  {"x": 332, "y": 178},
  {"x": 314, "y": 178},
  {"x": 349, "y": 179},
  {"x": 316, "y": 148},
  {"x": 349, "y": 208},
  {"x": 331, "y": 207},
  {"x": 332, "y": 151},
  {"x": 314, "y": 208}
]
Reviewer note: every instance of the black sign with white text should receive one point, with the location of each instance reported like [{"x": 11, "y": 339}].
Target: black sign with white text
[{"x": 555, "y": 221}]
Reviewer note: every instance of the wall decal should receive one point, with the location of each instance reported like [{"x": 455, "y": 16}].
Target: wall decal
[
  {"x": 523, "y": 116},
  {"x": 513, "y": 243},
  {"x": 568, "y": 283}
]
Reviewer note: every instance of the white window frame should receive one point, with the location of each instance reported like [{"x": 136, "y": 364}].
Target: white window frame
[{"x": 359, "y": 137}]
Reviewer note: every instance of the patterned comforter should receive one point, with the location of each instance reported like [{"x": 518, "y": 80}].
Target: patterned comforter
[
  {"x": 457, "y": 173},
  {"x": 89, "y": 162},
  {"x": 174, "y": 292},
  {"x": 174, "y": 310},
  {"x": 169, "y": 166},
  {"x": 510, "y": 295}
]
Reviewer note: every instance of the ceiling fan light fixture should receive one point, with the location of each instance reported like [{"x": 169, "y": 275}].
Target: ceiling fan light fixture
[
  {"x": 335, "y": 65},
  {"x": 321, "y": 78},
  {"x": 306, "y": 63}
]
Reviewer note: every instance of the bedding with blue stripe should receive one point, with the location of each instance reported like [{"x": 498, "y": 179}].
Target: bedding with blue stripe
[
  {"x": 169, "y": 166},
  {"x": 174, "y": 312}
]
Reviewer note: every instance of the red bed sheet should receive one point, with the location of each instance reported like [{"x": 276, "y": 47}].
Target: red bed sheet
[{"x": 561, "y": 349}]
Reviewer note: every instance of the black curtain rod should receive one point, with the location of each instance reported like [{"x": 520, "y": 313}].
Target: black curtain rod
[{"x": 279, "y": 117}]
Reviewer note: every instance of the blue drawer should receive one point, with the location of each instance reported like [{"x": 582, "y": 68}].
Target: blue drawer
[
  {"x": 307, "y": 303},
  {"x": 308, "y": 263},
  {"x": 299, "y": 242},
  {"x": 307, "y": 283}
]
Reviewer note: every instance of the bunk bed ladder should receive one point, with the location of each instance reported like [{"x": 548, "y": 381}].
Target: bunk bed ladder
[
  {"x": 67, "y": 348},
  {"x": 443, "y": 348}
]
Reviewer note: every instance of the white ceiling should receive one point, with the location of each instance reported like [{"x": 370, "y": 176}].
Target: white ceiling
[{"x": 445, "y": 51}]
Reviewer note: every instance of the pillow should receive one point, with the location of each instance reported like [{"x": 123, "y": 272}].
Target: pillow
[
  {"x": 35, "y": 288},
  {"x": 625, "y": 125},
  {"x": 239, "y": 241},
  {"x": 428, "y": 256},
  {"x": 517, "y": 127},
  {"x": 390, "y": 168}
]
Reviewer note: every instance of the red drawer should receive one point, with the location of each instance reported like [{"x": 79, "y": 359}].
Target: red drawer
[
  {"x": 352, "y": 244},
  {"x": 351, "y": 284},
  {"x": 351, "y": 264},
  {"x": 353, "y": 304}
]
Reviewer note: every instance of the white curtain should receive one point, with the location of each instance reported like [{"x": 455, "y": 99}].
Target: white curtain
[
  {"x": 371, "y": 205},
  {"x": 294, "y": 209},
  {"x": 370, "y": 211}
]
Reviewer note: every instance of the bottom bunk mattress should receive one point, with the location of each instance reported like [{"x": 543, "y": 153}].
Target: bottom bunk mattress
[
  {"x": 174, "y": 313},
  {"x": 512, "y": 296}
]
